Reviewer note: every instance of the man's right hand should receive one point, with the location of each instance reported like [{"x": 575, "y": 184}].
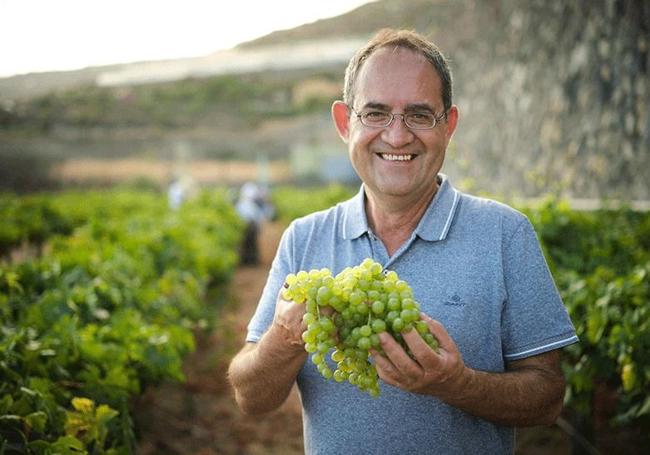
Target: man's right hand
[
  {"x": 263, "y": 373},
  {"x": 288, "y": 320}
]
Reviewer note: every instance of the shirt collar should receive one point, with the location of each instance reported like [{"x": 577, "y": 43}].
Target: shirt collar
[
  {"x": 355, "y": 223},
  {"x": 437, "y": 220},
  {"x": 433, "y": 226}
]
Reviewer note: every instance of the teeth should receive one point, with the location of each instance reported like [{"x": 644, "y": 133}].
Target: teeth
[{"x": 391, "y": 157}]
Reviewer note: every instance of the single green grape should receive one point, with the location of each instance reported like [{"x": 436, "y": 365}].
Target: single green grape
[
  {"x": 363, "y": 343},
  {"x": 378, "y": 326}
]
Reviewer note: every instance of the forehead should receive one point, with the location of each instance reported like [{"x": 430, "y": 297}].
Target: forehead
[{"x": 396, "y": 77}]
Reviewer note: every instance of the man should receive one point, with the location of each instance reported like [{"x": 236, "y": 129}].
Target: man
[
  {"x": 475, "y": 267},
  {"x": 251, "y": 208}
]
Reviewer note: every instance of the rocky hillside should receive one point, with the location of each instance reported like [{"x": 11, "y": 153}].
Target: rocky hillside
[{"x": 556, "y": 96}]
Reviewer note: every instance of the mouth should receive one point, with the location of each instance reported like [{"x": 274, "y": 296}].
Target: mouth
[{"x": 396, "y": 157}]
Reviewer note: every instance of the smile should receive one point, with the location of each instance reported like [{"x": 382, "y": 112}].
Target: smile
[{"x": 392, "y": 157}]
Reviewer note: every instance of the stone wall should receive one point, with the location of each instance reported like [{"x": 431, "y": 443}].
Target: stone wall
[{"x": 554, "y": 97}]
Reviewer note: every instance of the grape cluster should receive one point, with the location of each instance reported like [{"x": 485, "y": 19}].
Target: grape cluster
[{"x": 347, "y": 312}]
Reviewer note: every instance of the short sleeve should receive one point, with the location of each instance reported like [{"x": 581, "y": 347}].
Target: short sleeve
[
  {"x": 534, "y": 319},
  {"x": 280, "y": 268}
]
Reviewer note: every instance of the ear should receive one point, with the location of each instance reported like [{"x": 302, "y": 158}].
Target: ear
[
  {"x": 452, "y": 121},
  {"x": 341, "y": 117}
]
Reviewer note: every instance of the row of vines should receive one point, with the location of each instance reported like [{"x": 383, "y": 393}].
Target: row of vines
[
  {"x": 106, "y": 303},
  {"x": 601, "y": 263}
]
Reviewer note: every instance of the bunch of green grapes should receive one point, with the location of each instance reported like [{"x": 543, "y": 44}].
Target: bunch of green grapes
[{"x": 345, "y": 314}]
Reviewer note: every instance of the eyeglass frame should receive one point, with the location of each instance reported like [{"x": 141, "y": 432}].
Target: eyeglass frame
[{"x": 436, "y": 119}]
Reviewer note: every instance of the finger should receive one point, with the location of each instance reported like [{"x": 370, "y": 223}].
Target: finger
[
  {"x": 385, "y": 369},
  {"x": 438, "y": 330},
  {"x": 398, "y": 356},
  {"x": 381, "y": 362},
  {"x": 326, "y": 310},
  {"x": 422, "y": 352}
]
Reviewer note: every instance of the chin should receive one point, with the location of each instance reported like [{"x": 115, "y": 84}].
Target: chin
[{"x": 395, "y": 190}]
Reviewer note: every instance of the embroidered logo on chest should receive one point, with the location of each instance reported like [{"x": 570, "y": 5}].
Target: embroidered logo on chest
[{"x": 454, "y": 300}]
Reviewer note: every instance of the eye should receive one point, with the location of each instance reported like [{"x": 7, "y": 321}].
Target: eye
[
  {"x": 376, "y": 116},
  {"x": 421, "y": 118}
]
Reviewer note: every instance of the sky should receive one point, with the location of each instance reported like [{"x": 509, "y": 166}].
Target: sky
[{"x": 55, "y": 35}]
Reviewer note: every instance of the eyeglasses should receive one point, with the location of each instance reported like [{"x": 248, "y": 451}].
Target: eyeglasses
[{"x": 413, "y": 120}]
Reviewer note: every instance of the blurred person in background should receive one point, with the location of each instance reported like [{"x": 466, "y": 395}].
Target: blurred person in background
[
  {"x": 179, "y": 191},
  {"x": 254, "y": 207},
  {"x": 475, "y": 265}
]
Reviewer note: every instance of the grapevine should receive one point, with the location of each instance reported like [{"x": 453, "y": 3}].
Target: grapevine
[
  {"x": 345, "y": 315},
  {"x": 105, "y": 311}
]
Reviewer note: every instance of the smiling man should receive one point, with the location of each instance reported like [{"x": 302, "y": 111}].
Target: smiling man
[
  {"x": 397, "y": 156},
  {"x": 475, "y": 266}
]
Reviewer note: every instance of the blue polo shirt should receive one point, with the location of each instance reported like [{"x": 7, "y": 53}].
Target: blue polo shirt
[{"x": 476, "y": 266}]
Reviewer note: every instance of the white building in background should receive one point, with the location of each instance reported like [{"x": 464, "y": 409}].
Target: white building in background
[{"x": 303, "y": 54}]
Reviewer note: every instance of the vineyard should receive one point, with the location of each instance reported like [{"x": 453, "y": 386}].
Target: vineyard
[
  {"x": 106, "y": 308},
  {"x": 102, "y": 295},
  {"x": 601, "y": 264}
]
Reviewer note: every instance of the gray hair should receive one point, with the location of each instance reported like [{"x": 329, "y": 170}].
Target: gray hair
[{"x": 399, "y": 38}]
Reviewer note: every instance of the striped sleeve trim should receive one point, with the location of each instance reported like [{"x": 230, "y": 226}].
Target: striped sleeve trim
[
  {"x": 540, "y": 349},
  {"x": 253, "y": 337}
]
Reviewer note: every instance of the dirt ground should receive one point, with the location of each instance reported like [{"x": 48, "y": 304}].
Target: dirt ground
[{"x": 200, "y": 416}]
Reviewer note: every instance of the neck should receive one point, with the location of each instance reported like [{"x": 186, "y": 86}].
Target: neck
[{"x": 393, "y": 219}]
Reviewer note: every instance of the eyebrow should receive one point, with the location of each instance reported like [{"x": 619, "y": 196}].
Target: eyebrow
[
  {"x": 378, "y": 106},
  {"x": 419, "y": 107},
  {"x": 412, "y": 107}
]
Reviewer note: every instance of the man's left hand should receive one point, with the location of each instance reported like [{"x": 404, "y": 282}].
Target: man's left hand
[{"x": 439, "y": 373}]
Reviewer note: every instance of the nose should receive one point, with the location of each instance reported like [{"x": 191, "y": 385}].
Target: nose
[{"x": 397, "y": 134}]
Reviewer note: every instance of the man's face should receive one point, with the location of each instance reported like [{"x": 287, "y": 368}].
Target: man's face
[{"x": 395, "y": 160}]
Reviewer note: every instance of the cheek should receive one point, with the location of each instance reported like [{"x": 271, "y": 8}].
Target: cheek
[{"x": 363, "y": 137}]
